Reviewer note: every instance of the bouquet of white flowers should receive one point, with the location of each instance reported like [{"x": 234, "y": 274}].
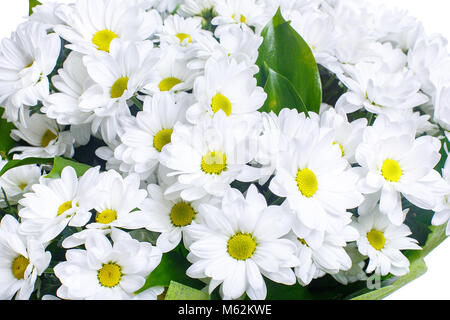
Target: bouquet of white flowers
[{"x": 221, "y": 149}]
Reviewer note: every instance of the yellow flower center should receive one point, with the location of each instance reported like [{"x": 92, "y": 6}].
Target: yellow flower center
[
  {"x": 182, "y": 214},
  {"x": 64, "y": 207},
  {"x": 214, "y": 162},
  {"x": 376, "y": 239},
  {"x": 168, "y": 83},
  {"x": 48, "y": 137},
  {"x": 220, "y": 102},
  {"x": 341, "y": 147},
  {"x": 307, "y": 182},
  {"x": 109, "y": 275},
  {"x": 242, "y": 18},
  {"x": 241, "y": 246},
  {"x": 22, "y": 186},
  {"x": 106, "y": 216},
  {"x": 19, "y": 265},
  {"x": 391, "y": 170},
  {"x": 102, "y": 39},
  {"x": 119, "y": 87},
  {"x": 162, "y": 138},
  {"x": 184, "y": 36},
  {"x": 302, "y": 241}
]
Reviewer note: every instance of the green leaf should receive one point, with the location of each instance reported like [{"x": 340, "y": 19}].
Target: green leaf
[
  {"x": 173, "y": 267},
  {"x": 60, "y": 163},
  {"x": 280, "y": 93},
  {"x": 178, "y": 291},
  {"x": 6, "y": 142},
  {"x": 276, "y": 291},
  {"x": 417, "y": 269},
  {"x": 19, "y": 163},
  {"x": 32, "y": 4},
  {"x": 286, "y": 53}
]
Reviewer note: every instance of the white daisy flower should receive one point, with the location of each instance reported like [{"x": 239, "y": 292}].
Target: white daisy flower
[
  {"x": 71, "y": 82},
  {"x": 118, "y": 75},
  {"x": 116, "y": 208},
  {"x": 208, "y": 157},
  {"x": 382, "y": 242},
  {"x": 240, "y": 243},
  {"x": 347, "y": 136},
  {"x": 91, "y": 25},
  {"x": 321, "y": 253},
  {"x": 45, "y": 137},
  {"x": 55, "y": 204},
  {"x": 106, "y": 271},
  {"x": 278, "y": 130},
  {"x": 181, "y": 32},
  {"x": 379, "y": 91},
  {"x": 23, "y": 260},
  {"x": 26, "y": 59},
  {"x": 228, "y": 86},
  {"x": 171, "y": 216},
  {"x": 395, "y": 163},
  {"x": 17, "y": 181},
  {"x": 146, "y": 136},
  {"x": 171, "y": 73},
  {"x": 46, "y": 14},
  {"x": 316, "y": 180},
  {"x": 249, "y": 13}
]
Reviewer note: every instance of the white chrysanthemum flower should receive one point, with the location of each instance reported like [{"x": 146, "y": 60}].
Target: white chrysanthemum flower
[
  {"x": 106, "y": 271},
  {"x": 208, "y": 157},
  {"x": 26, "y": 59},
  {"x": 442, "y": 107},
  {"x": 23, "y": 260},
  {"x": 228, "y": 86},
  {"x": 71, "y": 82},
  {"x": 181, "y": 32},
  {"x": 171, "y": 73},
  {"x": 119, "y": 75},
  {"x": 278, "y": 130},
  {"x": 239, "y": 243},
  {"x": 395, "y": 163},
  {"x": 382, "y": 242},
  {"x": 168, "y": 6},
  {"x": 55, "y": 204},
  {"x": 171, "y": 216},
  {"x": 442, "y": 208},
  {"x": 16, "y": 182},
  {"x": 321, "y": 256},
  {"x": 250, "y": 13},
  {"x": 347, "y": 135},
  {"x": 380, "y": 91},
  {"x": 117, "y": 207},
  {"x": 317, "y": 29},
  {"x": 145, "y": 137},
  {"x": 425, "y": 57},
  {"x": 91, "y": 25},
  {"x": 316, "y": 180},
  {"x": 45, "y": 137}
]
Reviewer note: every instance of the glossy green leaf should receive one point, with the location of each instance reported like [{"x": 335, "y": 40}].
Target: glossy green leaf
[
  {"x": 173, "y": 267},
  {"x": 19, "y": 163},
  {"x": 286, "y": 53},
  {"x": 60, "y": 163},
  {"x": 6, "y": 142},
  {"x": 32, "y": 4},
  {"x": 178, "y": 291},
  {"x": 280, "y": 93}
]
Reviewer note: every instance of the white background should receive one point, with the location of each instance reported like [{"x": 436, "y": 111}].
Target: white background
[{"x": 435, "y": 284}]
